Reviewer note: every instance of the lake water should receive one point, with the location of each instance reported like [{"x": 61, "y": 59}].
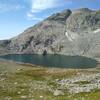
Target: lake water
[{"x": 53, "y": 60}]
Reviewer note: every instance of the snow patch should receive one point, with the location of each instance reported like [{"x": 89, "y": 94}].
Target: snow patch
[
  {"x": 96, "y": 31},
  {"x": 71, "y": 36}
]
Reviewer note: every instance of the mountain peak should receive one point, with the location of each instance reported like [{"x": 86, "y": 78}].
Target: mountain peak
[
  {"x": 85, "y": 9},
  {"x": 61, "y": 16},
  {"x": 82, "y": 10}
]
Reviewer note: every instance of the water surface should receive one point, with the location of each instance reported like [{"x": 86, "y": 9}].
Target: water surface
[{"x": 53, "y": 60}]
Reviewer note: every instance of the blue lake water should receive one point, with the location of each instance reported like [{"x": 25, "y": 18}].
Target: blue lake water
[{"x": 60, "y": 61}]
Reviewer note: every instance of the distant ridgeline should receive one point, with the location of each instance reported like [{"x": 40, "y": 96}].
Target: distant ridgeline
[{"x": 68, "y": 32}]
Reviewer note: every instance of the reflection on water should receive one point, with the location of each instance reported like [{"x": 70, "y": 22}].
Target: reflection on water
[{"x": 53, "y": 60}]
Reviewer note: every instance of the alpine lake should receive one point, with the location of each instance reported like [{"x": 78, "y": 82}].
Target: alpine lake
[{"x": 60, "y": 61}]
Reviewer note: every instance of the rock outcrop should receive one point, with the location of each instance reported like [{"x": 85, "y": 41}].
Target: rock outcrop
[{"x": 69, "y": 32}]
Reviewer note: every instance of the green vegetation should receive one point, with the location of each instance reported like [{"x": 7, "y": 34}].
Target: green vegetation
[
  {"x": 24, "y": 82},
  {"x": 82, "y": 82}
]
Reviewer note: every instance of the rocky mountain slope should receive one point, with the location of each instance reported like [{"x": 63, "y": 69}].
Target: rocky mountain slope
[{"x": 69, "y": 32}]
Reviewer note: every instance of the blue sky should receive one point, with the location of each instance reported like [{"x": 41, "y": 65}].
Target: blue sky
[{"x": 18, "y": 15}]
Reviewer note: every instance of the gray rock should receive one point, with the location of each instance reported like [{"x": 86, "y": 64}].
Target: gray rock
[{"x": 58, "y": 92}]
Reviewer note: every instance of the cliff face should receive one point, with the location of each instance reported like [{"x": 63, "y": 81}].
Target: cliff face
[{"x": 68, "y": 32}]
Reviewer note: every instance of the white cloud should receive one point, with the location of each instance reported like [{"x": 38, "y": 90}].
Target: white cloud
[
  {"x": 31, "y": 16},
  {"x": 40, "y": 5},
  {"x": 4, "y": 7}
]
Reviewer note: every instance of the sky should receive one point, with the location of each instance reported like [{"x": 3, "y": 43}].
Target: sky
[{"x": 18, "y": 15}]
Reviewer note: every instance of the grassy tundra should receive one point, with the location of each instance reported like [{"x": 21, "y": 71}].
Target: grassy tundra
[{"x": 29, "y": 82}]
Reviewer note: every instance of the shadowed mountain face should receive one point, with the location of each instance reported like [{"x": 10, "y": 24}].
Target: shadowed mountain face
[{"x": 68, "y": 32}]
